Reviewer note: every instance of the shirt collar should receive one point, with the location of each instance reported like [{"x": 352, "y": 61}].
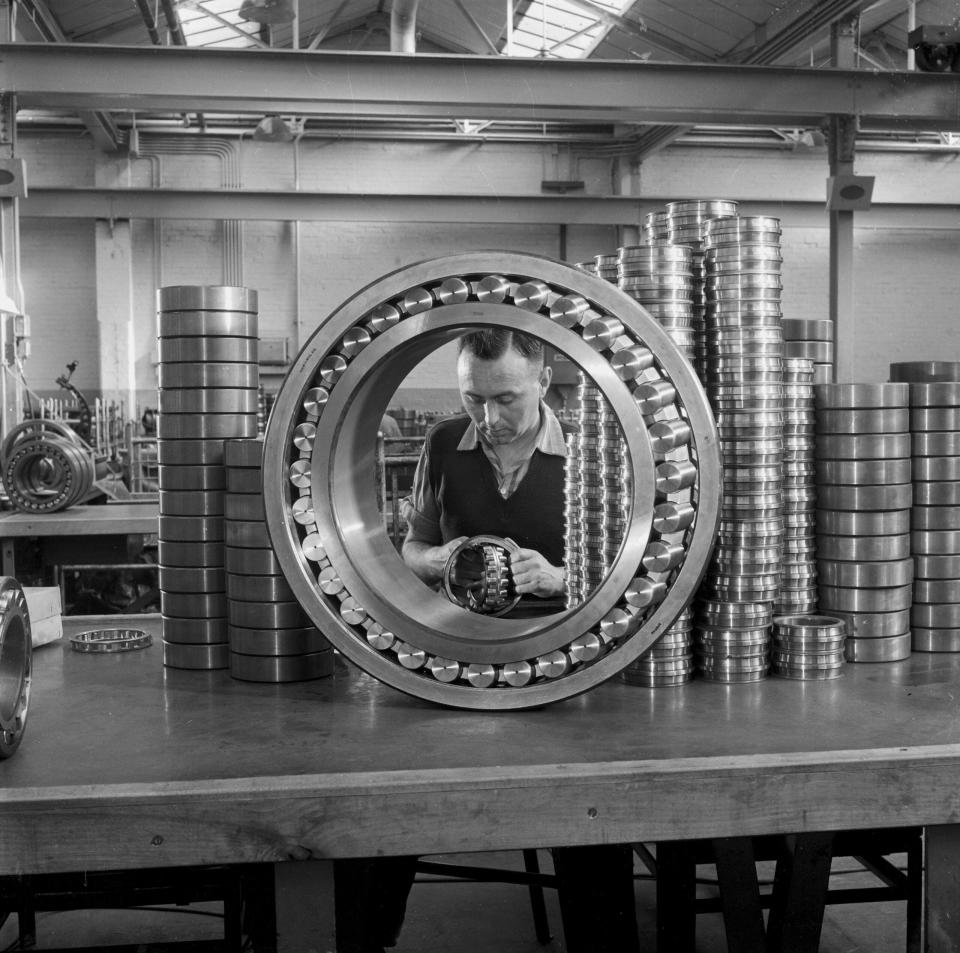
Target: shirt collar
[{"x": 550, "y": 438}]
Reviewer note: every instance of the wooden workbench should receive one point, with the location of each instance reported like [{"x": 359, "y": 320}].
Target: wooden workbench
[
  {"x": 125, "y": 764},
  {"x": 73, "y": 524}
]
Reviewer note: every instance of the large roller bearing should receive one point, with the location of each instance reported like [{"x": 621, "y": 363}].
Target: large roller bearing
[
  {"x": 16, "y": 655},
  {"x": 321, "y": 501}
]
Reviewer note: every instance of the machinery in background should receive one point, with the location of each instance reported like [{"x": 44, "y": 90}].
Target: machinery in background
[{"x": 936, "y": 48}]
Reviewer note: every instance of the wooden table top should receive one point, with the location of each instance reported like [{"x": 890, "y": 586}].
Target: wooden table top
[
  {"x": 225, "y": 770},
  {"x": 140, "y": 517}
]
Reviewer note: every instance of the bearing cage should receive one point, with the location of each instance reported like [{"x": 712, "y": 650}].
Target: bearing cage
[{"x": 622, "y": 348}]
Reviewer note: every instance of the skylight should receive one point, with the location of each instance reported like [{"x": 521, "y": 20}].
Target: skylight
[
  {"x": 216, "y": 23},
  {"x": 564, "y": 28}
]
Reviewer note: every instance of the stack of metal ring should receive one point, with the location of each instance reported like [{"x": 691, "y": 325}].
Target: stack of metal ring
[
  {"x": 573, "y": 565},
  {"x": 590, "y": 267},
  {"x": 208, "y": 376},
  {"x": 605, "y": 266},
  {"x": 798, "y": 578},
  {"x": 660, "y": 277},
  {"x": 925, "y": 372},
  {"x": 808, "y": 646},
  {"x": 811, "y": 339},
  {"x": 669, "y": 661},
  {"x": 744, "y": 382},
  {"x": 686, "y": 223},
  {"x": 863, "y": 516},
  {"x": 935, "y": 517},
  {"x": 655, "y": 226},
  {"x": 271, "y": 638}
]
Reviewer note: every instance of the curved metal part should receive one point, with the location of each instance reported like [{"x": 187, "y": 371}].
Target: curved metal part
[
  {"x": 328, "y": 534},
  {"x": 477, "y": 575},
  {"x": 16, "y": 665}
]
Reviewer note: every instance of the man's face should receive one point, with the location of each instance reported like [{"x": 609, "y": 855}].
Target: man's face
[{"x": 502, "y": 396}]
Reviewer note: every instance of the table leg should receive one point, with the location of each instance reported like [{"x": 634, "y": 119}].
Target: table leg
[
  {"x": 800, "y": 894},
  {"x": 676, "y": 896},
  {"x": 942, "y": 887},
  {"x": 739, "y": 894}
]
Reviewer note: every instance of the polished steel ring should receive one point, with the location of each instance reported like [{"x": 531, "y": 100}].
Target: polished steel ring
[
  {"x": 321, "y": 504},
  {"x": 16, "y": 664}
]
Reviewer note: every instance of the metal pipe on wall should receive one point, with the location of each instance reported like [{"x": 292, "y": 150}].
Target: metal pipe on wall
[{"x": 403, "y": 26}]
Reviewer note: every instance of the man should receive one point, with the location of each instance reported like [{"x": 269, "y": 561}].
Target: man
[{"x": 496, "y": 471}]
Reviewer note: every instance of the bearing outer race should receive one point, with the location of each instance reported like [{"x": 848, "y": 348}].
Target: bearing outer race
[
  {"x": 936, "y": 444},
  {"x": 276, "y": 641},
  {"x": 246, "y": 534},
  {"x": 445, "y": 323},
  {"x": 878, "y": 446},
  {"x": 916, "y": 372},
  {"x": 245, "y": 507},
  {"x": 936, "y": 640},
  {"x": 862, "y": 420},
  {"x": 199, "y": 374},
  {"x": 206, "y": 426},
  {"x": 252, "y": 562},
  {"x": 258, "y": 589},
  {"x": 191, "y": 478},
  {"x": 178, "y": 579},
  {"x": 193, "y": 298},
  {"x": 208, "y": 400},
  {"x": 266, "y": 615},
  {"x": 190, "y": 656},
  {"x": 863, "y": 523},
  {"x": 862, "y": 472},
  {"x": 936, "y": 468},
  {"x": 894, "y": 648},
  {"x": 891, "y": 599},
  {"x": 194, "y": 631},
  {"x": 935, "y": 518},
  {"x": 192, "y": 503},
  {"x": 933, "y": 493},
  {"x": 936, "y": 590},
  {"x": 193, "y": 605},
  {"x": 16, "y": 665},
  {"x": 865, "y": 575},
  {"x": 894, "y": 496},
  {"x": 937, "y": 567},
  {"x": 861, "y": 396},
  {"x": 244, "y": 453},
  {"x": 281, "y": 668},
  {"x": 246, "y": 480},
  {"x": 191, "y": 350},
  {"x": 190, "y": 452},
  {"x": 875, "y": 625},
  {"x": 936, "y": 616},
  {"x": 186, "y": 555}
]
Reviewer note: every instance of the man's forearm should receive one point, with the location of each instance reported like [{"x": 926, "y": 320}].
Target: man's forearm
[{"x": 426, "y": 561}]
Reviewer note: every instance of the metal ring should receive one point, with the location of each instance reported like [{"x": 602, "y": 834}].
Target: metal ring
[
  {"x": 337, "y": 436},
  {"x": 102, "y": 641},
  {"x": 16, "y": 664}
]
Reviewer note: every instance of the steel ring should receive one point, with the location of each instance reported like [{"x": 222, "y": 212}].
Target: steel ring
[
  {"x": 327, "y": 411},
  {"x": 16, "y": 663}
]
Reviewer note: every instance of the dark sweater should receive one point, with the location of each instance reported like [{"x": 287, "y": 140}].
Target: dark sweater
[{"x": 465, "y": 486}]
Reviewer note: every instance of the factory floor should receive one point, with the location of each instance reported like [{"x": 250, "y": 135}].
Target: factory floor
[{"x": 473, "y": 918}]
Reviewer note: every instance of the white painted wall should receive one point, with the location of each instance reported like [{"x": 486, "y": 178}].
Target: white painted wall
[{"x": 906, "y": 278}]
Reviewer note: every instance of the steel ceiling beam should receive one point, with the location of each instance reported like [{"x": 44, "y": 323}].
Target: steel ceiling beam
[{"x": 371, "y": 85}]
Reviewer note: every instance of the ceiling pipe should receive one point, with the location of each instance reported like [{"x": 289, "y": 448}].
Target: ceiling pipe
[
  {"x": 149, "y": 22},
  {"x": 403, "y": 26}
]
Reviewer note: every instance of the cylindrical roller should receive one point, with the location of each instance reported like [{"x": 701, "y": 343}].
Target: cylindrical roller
[
  {"x": 936, "y": 616},
  {"x": 936, "y": 468},
  {"x": 268, "y": 615},
  {"x": 888, "y": 523},
  {"x": 205, "y": 426},
  {"x": 895, "y": 496},
  {"x": 863, "y": 446},
  {"x": 191, "y": 479},
  {"x": 935, "y": 517},
  {"x": 199, "y": 298},
  {"x": 893, "y": 599},
  {"x": 893, "y": 649},
  {"x": 863, "y": 472},
  {"x": 898, "y": 572},
  {"x": 187, "y": 555},
  {"x": 199, "y": 529},
  {"x": 276, "y": 641},
  {"x": 861, "y": 396},
  {"x": 935, "y": 640},
  {"x": 197, "y": 579},
  {"x": 934, "y": 494},
  {"x": 199, "y": 374},
  {"x": 937, "y": 567},
  {"x": 258, "y": 589},
  {"x": 194, "y": 631},
  {"x": 936, "y": 444},
  {"x": 191, "y": 503},
  {"x": 863, "y": 548},
  {"x": 188, "y": 350},
  {"x": 190, "y": 452},
  {"x": 935, "y": 542},
  {"x": 181, "y": 655},
  {"x": 936, "y": 590},
  {"x": 208, "y": 400},
  {"x": 251, "y": 562},
  {"x": 193, "y": 605},
  {"x": 915, "y": 372},
  {"x": 862, "y": 420},
  {"x": 281, "y": 668},
  {"x": 246, "y": 534}
]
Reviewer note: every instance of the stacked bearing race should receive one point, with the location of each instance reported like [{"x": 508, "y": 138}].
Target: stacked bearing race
[
  {"x": 811, "y": 339},
  {"x": 208, "y": 376},
  {"x": 669, "y": 661},
  {"x": 798, "y": 578},
  {"x": 864, "y": 496},
  {"x": 661, "y": 278},
  {"x": 271, "y": 638},
  {"x": 935, "y": 517},
  {"x": 744, "y": 380},
  {"x": 808, "y": 646}
]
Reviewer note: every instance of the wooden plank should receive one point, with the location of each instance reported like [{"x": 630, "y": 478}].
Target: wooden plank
[{"x": 83, "y": 520}]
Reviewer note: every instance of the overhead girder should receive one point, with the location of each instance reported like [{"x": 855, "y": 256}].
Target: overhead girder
[{"x": 370, "y": 85}]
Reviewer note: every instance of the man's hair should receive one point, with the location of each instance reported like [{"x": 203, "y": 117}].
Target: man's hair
[{"x": 488, "y": 344}]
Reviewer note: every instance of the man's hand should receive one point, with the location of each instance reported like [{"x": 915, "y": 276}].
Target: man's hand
[
  {"x": 428, "y": 561},
  {"x": 533, "y": 575}
]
